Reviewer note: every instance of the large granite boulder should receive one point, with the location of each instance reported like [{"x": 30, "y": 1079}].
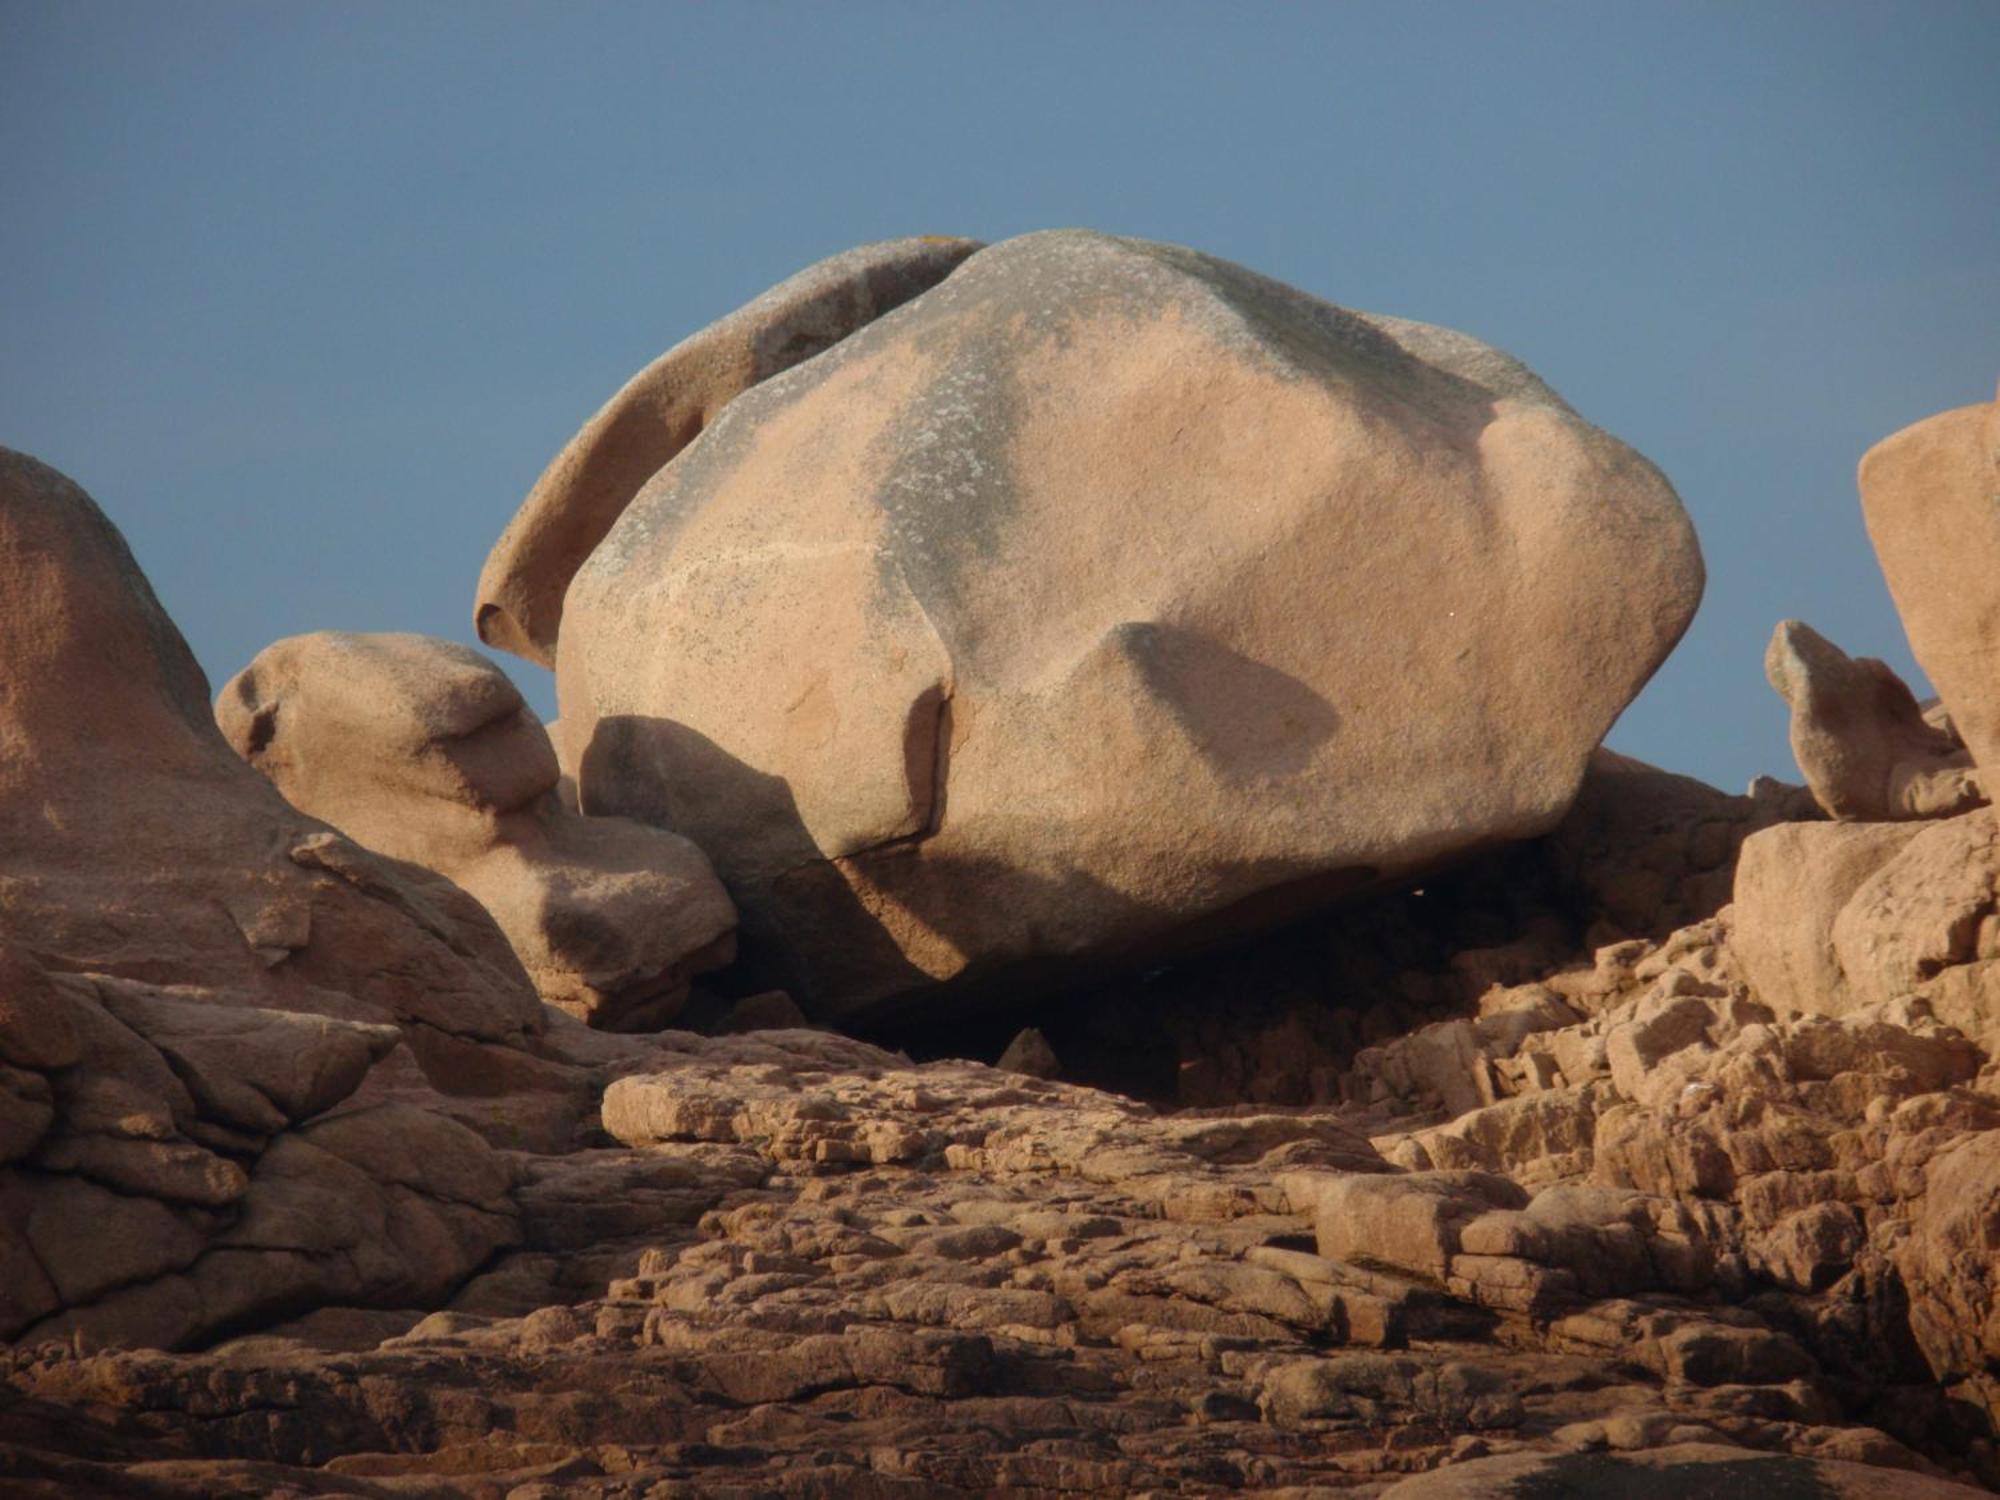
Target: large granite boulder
[
  {"x": 423, "y": 750},
  {"x": 1927, "y": 494},
  {"x": 208, "y": 1113},
  {"x": 1102, "y": 599}
]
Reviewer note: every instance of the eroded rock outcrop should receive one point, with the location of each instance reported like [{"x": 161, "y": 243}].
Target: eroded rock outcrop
[
  {"x": 425, "y": 752},
  {"x": 1838, "y": 917},
  {"x": 914, "y": 636},
  {"x": 138, "y": 845},
  {"x": 199, "y": 987},
  {"x": 1868, "y": 751},
  {"x": 849, "y": 1274},
  {"x": 1553, "y": 1174}
]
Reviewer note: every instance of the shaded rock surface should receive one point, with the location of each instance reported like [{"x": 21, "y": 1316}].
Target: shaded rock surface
[
  {"x": 1377, "y": 594},
  {"x": 423, "y": 751},
  {"x": 1283, "y": 1020}
]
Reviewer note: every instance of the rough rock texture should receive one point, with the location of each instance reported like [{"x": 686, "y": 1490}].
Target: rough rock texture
[
  {"x": 665, "y": 407},
  {"x": 424, "y": 751},
  {"x": 1679, "y": 1470},
  {"x": 1645, "y": 852},
  {"x": 915, "y": 636},
  {"x": 837, "y": 1273},
  {"x": 1607, "y": 1213},
  {"x": 216, "y": 1014},
  {"x": 1867, "y": 750},
  {"x": 1837, "y": 917},
  {"x": 1792, "y": 882},
  {"x": 1927, "y": 495}
]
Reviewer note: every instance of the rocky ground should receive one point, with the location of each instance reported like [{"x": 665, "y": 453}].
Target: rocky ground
[{"x": 793, "y": 1263}]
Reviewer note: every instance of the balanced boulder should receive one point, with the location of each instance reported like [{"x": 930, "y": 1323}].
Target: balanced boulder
[
  {"x": 1103, "y": 599},
  {"x": 423, "y": 750},
  {"x": 1928, "y": 495}
]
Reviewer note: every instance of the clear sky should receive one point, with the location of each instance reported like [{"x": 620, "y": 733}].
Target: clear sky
[{"x": 307, "y": 294}]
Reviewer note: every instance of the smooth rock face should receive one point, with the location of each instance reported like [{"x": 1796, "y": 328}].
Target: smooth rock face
[
  {"x": 424, "y": 751},
  {"x": 665, "y": 407},
  {"x": 1867, "y": 750},
  {"x": 199, "y": 988},
  {"x": 1927, "y": 494},
  {"x": 1104, "y": 598}
]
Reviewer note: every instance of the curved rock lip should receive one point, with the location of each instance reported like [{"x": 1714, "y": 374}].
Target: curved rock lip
[
  {"x": 665, "y": 407},
  {"x": 1098, "y": 590}
]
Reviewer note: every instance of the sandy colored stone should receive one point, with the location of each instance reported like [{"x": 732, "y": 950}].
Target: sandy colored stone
[
  {"x": 1927, "y": 494},
  {"x": 1104, "y": 597},
  {"x": 137, "y": 844},
  {"x": 1927, "y": 923},
  {"x": 1041, "y": 1289},
  {"x": 1030, "y": 1053},
  {"x": 192, "y": 973},
  {"x": 1792, "y": 883},
  {"x": 1951, "y": 1261},
  {"x": 1860, "y": 736},
  {"x": 1410, "y": 1221},
  {"x": 423, "y": 751},
  {"x": 665, "y": 407}
]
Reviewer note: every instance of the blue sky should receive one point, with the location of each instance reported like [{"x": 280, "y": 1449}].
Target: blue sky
[{"x": 307, "y": 294}]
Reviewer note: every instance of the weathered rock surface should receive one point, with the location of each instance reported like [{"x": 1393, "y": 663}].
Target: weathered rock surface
[
  {"x": 665, "y": 407},
  {"x": 138, "y": 845},
  {"x": 1680, "y": 1469},
  {"x": 915, "y": 635},
  {"x": 423, "y": 751},
  {"x": 1861, "y": 738},
  {"x": 1792, "y": 882},
  {"x": 1283, "y": 1020},
  {"x": 1839, "y": 917},
  {"x": 201, "y": 989},
  {"x": 836, "y": 1272},
  {"x": 1927, "y": 496}
]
